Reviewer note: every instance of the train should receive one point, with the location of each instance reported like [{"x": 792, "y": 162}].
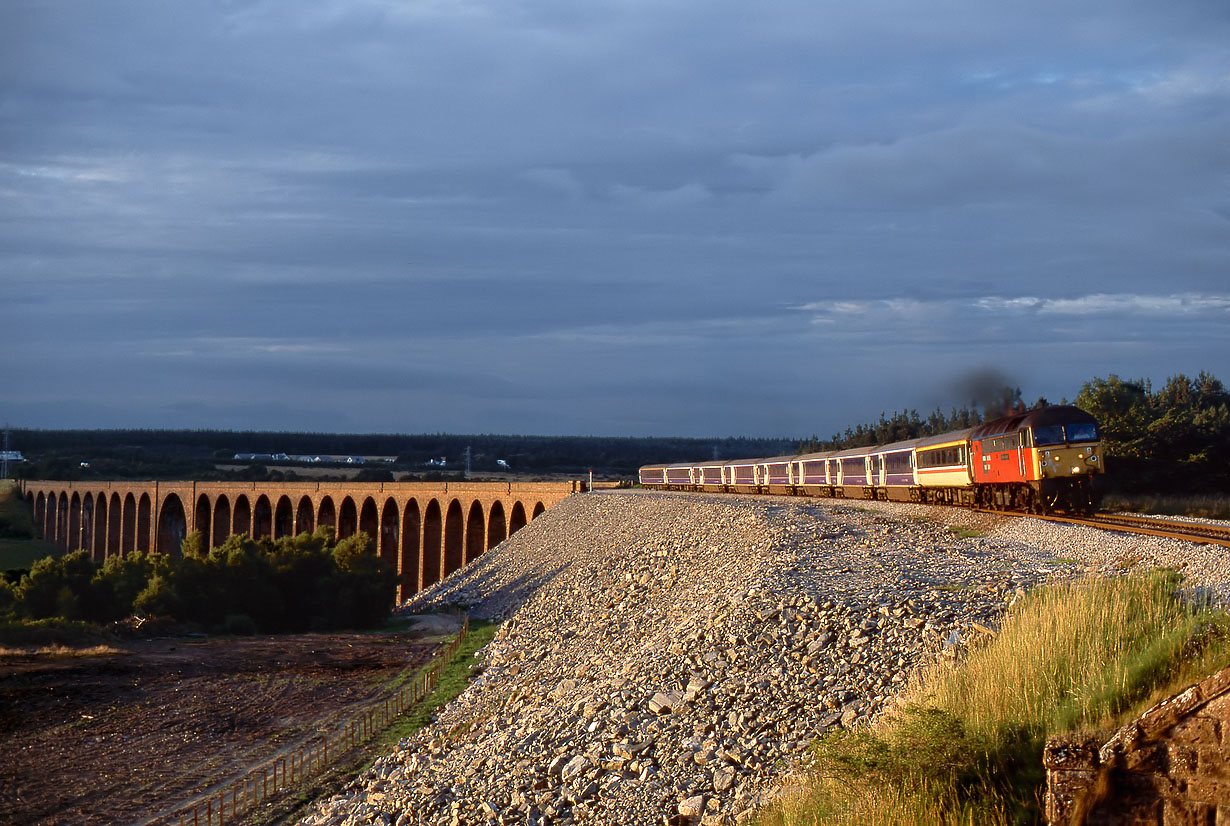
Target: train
[{"x": 1039, "y": 461}]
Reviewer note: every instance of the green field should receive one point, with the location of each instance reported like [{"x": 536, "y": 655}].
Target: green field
[
  {"x": 20, "y": 554},
  {"x": 18, "y": 548}
]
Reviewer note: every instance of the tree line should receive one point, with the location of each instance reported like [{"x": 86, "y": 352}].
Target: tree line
[{"x": 196, "y": 454}]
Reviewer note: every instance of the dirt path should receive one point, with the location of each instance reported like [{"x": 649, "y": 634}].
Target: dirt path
[{"x": 112, "y": 738}]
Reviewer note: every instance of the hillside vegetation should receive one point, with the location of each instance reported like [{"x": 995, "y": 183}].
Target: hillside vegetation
[{"x": 966, "y": 746}]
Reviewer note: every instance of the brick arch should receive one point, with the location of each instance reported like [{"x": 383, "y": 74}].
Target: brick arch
[
  {"x": 222, "y": 524},
  {"x": 40, "y": 515},
  {"x": 347, "y": 519},
  {"x": 369, "y": 521},
  {"x": 87, "y": 525},
  {"x": 476, "y": 532},
  {"x": 145, "y": 511},
  {"x": 262, "y": 517},
  {"x": 172, "y": 526},
  {"x": 128, "y": 538},
  {"x": 203, "y": 520},
  {"x": 72, "y": 540},
  {"x": 517, "y": 520},
  {"x": 539, "y": 510},
  {"x": 86, "y": 543},
  {"x": 60, "y": 530},
  {"x": 497, "y": 525},
  {"x": 390, "y": 533},
  {"x": 433, "y": 535},
  {"x": 99, "y": 549},
  {"x": 115, "y": 526},
  {"x": 454, "y": 537},
  {"x": 242, "y": 515},
  {"x": 326, "y": 514},
  {"x": 304, "y": 516},
  {"x": 411, "y": 562},
  {"x": 283, "y": 518}
]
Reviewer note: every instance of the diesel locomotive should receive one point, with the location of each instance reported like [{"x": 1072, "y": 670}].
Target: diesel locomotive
[{"x": 1039, "y": 461}]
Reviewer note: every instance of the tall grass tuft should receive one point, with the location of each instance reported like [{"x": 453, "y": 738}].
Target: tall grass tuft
[{"x": 966, "y": 745}]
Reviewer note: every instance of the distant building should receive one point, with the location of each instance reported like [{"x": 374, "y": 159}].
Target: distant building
[{"x": 11, "y": 456}]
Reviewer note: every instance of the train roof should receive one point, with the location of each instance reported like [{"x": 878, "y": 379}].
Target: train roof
[
  {"x": 944, "y": 438},
  {"x": 893, "y": 447},
  {"x": 812, "y": 457},
  {"x": 1043, "y": 417},
  {"x": 851, "y": 451}
]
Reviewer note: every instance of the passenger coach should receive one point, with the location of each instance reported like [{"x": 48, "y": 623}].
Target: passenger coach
[{"x": 1037, "y": 461}]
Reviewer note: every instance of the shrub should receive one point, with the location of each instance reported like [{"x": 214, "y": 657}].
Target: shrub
[
  {"x": 159, "y": 599},
  {"x": 967, "y": 747}
]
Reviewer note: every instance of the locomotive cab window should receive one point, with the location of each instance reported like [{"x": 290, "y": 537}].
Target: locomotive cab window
[
  {"x": 1061, "y": 434},
  {"x": 1052, "y": 435},
  {"x": 1084, "y": 432}
]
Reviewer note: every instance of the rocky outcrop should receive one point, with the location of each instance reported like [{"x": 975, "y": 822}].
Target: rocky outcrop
[{"x": 1170, "y": 766}]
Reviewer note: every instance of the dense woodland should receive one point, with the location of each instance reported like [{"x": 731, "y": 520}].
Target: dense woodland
[{"x": 1172, "y": 439}]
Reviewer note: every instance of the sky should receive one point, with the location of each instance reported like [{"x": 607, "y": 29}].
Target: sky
[{"x": 615, "y": 217}]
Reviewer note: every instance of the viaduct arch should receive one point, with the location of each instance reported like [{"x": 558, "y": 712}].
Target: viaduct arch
[{"x": 425, "y": 530}]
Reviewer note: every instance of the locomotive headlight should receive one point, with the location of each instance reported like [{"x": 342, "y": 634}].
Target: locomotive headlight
[{"x": 1076, "y": 469}]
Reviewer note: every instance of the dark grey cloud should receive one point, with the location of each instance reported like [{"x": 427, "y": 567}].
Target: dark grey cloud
[{"x": 612, "y": 217}]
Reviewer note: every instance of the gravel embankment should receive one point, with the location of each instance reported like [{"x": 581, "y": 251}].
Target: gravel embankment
[{"x": 667, "y": 656}]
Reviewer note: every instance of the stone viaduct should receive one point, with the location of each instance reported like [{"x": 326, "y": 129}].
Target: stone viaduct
[{"x": 426, "y": 530}]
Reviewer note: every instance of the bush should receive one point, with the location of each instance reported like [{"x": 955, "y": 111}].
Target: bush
[
  {"x": 159, "y": 599},
  {"x": 968, "y": 746},
  {"x": 55, "y": 585}
]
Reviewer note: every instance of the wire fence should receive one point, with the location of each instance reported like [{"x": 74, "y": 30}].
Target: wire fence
[{"x": 227, "y": 802}]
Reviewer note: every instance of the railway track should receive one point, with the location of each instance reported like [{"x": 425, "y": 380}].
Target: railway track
[{"x": 1148, "y": 526}]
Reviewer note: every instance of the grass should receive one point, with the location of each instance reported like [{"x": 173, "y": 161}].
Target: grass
[
  {"x": 966, "y": 748},
  {"x": 18, "y": 550},
  {"x": 48, "y": 633},
  {"x": 60, "y": 652},
  {"x": 1203, "y": 506},
  {"x": 962, "y": 532},
  {"x": 21, "y": 554}
]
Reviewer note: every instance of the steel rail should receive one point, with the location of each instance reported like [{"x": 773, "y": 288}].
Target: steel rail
[{"x": 1146, "y": 526}]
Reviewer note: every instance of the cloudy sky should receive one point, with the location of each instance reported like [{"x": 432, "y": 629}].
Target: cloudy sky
[{"x": 623, "y": 217}]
